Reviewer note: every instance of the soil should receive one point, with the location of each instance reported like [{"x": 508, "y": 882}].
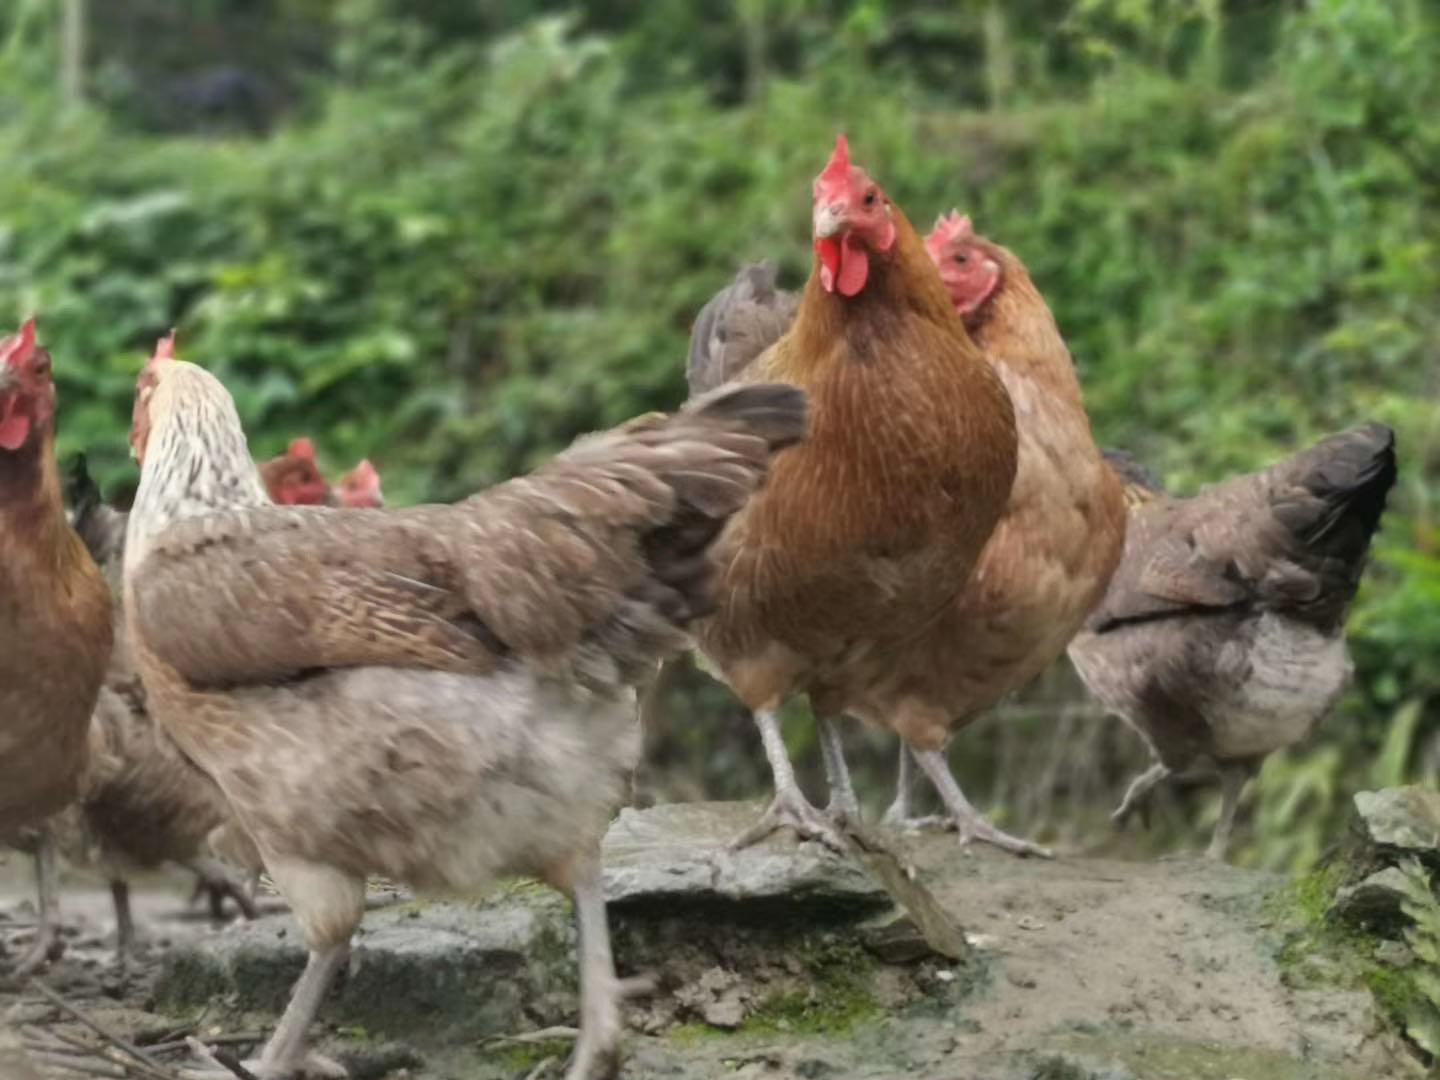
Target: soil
[{"x": 1088, "y": 969}]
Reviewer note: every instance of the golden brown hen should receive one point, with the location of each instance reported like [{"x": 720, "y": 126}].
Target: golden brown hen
[
  {"x": 54, "y": 622},
  {"x": 847, "y": 563},
  {"x": 438, "y": 694},
  {"x": 1054, "y": 549}
]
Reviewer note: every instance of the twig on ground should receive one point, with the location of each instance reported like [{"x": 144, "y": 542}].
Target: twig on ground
[
  {"x": 220, "y": 1058},
  {"x": 145, "y": 1063},
  {"x": 543, "y": 1035},
  {"x": 212, "y": 1040}
]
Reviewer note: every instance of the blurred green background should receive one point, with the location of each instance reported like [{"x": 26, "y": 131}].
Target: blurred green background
[{"x": 452, "y": 234}]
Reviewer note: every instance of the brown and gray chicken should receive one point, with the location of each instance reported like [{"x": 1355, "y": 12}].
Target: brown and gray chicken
[
  {"x": 436, "y": 694},
  {"x": 1221, "y": 637},
  {"x": 54, "y": 625}
]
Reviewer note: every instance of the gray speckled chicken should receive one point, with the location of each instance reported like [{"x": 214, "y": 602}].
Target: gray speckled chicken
[
  {"x": 1221, "y": 637},
  {"x": 437, "y": 694}
]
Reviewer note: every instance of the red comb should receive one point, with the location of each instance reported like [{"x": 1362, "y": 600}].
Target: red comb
[
  {"x": 24, "y": 342},
  {"x": 364, "y": 473},
  {"x": 953, "y": 226},
  {"x": 838, "y": 168},
  {"x": 165, "y": 347},
  {"x": 302, "y": 448}
]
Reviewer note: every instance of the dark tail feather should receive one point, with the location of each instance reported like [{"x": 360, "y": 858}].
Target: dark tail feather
[
  {"x": 81, "y": 492},
  {"x": 1349, "y": 476},
  {"x": 1330, "y": 499}
]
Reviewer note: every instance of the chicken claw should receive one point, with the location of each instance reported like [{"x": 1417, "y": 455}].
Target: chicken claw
[
  {"x": 968, "y": 821},
  {"x": 791, "y": 810}
]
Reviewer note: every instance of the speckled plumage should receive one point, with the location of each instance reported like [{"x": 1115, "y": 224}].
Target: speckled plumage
[
  {"x": 1221, "y": 636},
  {"x": 439, "y": 694}
]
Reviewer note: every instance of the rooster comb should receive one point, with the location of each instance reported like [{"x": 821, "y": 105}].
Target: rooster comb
[
  {"x": 19, "y": 345},
  {"x": 364, "y": 473},
  {"x": 837, "y": 169},
  {"x": 952, "y": 226},
  {"x": 302, "y": 448}
]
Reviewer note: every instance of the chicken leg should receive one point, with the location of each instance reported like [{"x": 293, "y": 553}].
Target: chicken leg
[
  {"x": 48, "y": 945},
  {"x": 597, "y": 1054},
  {"x": 971, "y": 825},
  {"x": 844, "y": 807},
  {"x": 328, "y": 903},
  {"x": 789, "y": 809},
  {"x": 1138, "y": 793},
  {"x": 898, "y": 815},
  {"x": 124, "y": 921},
  {"x": 1234, "y": 775}
]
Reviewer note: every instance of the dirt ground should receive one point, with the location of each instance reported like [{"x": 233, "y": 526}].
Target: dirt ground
[{"x": 1094, "y": 969}]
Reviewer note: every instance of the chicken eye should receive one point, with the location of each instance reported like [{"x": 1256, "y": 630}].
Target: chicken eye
[
  {"x": 962, "y": 258},
  {"x": 870, "y": 197},
  {"x": 42, "y": 364}
]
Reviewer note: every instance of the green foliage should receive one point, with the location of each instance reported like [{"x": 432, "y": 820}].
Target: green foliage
[
  {"x": 1420, "y": 1009},
  {"x": 478, "y": 230}
]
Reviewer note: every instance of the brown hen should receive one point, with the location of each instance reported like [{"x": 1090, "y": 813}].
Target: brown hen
[
  {"x": 1054, "y": 549},
  {"x": 54, "y": 623},
  {"x": 846, "y": 565}
]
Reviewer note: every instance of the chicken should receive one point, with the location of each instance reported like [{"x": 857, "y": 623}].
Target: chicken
[
  {"x": 294, "y": 478},
  {"x": 736, "y": 325},
  {"x": 1221, "y": 637},
  {"x": 360, "y": 488},
  {"x": 1050, "y": 557},
  {"x": 835, "y": 578},
  {"x": 54, "y": 622},
  {"x": 142, "y": 803},
  {"x": 446, "y": 692}
]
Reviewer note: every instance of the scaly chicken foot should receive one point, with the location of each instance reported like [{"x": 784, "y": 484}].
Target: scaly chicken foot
[
  {"x": 1137, "y": 795},
  {"x": 48, "y": 946},
  {"x": 969, "y": 822},
  {"x": 789, "y": 809},
  {"x": 844, "y": 807}
]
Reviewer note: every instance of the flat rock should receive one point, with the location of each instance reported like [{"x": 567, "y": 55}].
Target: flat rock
[
  {"x": 680, "y": 852},
  {"x": 498, "y": 964},
  {"x": 1404, "y": 818}
]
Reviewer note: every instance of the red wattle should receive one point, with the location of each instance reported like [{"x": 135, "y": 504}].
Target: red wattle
[
  {"x": 854, "y": 267},
  {"x": 827, "y": 250},
  {"x": 14, "y": 424}
]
